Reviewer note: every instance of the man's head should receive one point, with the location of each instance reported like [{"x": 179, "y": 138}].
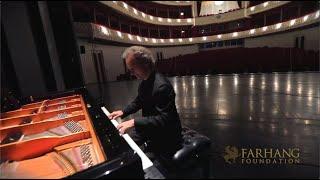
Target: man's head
[{"x": 139, "y": 61}]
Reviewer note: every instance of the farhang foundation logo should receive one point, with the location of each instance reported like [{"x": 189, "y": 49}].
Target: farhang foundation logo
[{"x": 234, "y": 155}]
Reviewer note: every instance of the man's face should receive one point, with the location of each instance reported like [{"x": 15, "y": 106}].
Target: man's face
[{"x": 138, "y": 70}]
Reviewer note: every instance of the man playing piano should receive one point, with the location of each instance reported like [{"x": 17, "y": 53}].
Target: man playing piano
[{"x": 160, "y": 124}]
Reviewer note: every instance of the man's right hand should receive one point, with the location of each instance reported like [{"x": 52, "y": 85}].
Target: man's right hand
[{"x": 115, "y": 114}]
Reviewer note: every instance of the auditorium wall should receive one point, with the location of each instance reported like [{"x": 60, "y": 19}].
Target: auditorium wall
[
  {"x": 114, "y": 65},
  {"x": 288, "y": 39},
  {"x": 112, "y": 58}
]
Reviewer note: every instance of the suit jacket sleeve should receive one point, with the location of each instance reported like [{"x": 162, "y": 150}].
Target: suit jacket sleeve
[
  {"x": 165, "y": 101},
  {"x": 134, "y": 106}
]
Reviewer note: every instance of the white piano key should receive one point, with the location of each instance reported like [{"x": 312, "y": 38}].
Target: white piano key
[{"x": 146, "y": 162}]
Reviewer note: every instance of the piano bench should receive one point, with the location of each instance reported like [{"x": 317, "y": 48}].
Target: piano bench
[{"x": 192, "y": 158}]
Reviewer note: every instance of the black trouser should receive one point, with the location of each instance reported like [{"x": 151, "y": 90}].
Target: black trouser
[
  {"x": 136, "y": 137},
  {"x": 157, "y": 147}
]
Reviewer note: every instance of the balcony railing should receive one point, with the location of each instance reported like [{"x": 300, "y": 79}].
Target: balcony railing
[
  {"x": 124, "y": 8},
  {"x": 101, "y": 32}
]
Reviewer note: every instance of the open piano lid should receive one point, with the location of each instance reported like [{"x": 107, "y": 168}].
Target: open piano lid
[{"x": 120, "y": 160}]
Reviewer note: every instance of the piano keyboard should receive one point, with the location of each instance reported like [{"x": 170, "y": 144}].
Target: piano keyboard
[{"x": 146, "y": 162}]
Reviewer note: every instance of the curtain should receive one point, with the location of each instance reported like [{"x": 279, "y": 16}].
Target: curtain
[{"x": 217, "y": 7}]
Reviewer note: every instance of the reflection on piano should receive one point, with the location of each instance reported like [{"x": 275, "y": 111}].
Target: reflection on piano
[{"x": 60, "y": 137}]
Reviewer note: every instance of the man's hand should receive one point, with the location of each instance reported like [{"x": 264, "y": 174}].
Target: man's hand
[
  {"x": 124, "y": 126},
  {"x": 115, "y": 114}
]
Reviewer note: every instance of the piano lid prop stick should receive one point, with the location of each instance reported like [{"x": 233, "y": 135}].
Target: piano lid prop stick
[{"x": 146, "y": 162}]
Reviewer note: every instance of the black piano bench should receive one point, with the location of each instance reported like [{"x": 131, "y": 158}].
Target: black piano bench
[{"x": 192, "y": 160}]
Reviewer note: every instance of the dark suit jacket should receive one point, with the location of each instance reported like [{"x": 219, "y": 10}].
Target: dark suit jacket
[{"x": 160, "y": 122}]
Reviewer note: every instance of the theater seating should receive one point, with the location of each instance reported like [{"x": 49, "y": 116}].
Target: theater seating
[{"x": 241, "y": 60}]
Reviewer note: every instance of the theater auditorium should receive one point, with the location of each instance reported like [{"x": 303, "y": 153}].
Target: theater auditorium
[{"x": 160, "y": 89}]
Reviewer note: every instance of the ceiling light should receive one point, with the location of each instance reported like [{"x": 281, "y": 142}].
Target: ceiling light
[
  {"x": 278, "y": 25},
  {"x": 265, "y": 4},
  {"x": 125, "y": 5},
  {"x": 154, "y": 40},
  {"x": 264, "y": 28},
  {"x": 119, "y": 33}
]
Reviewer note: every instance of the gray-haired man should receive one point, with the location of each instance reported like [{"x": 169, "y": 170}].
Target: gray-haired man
[{"x": 160, "y": 124}]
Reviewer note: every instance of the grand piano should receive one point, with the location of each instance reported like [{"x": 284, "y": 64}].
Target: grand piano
[{"x": 67, "y": 135}]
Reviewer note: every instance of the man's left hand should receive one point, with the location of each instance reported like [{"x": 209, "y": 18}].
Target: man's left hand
[{"x": 124, "y": 126}]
